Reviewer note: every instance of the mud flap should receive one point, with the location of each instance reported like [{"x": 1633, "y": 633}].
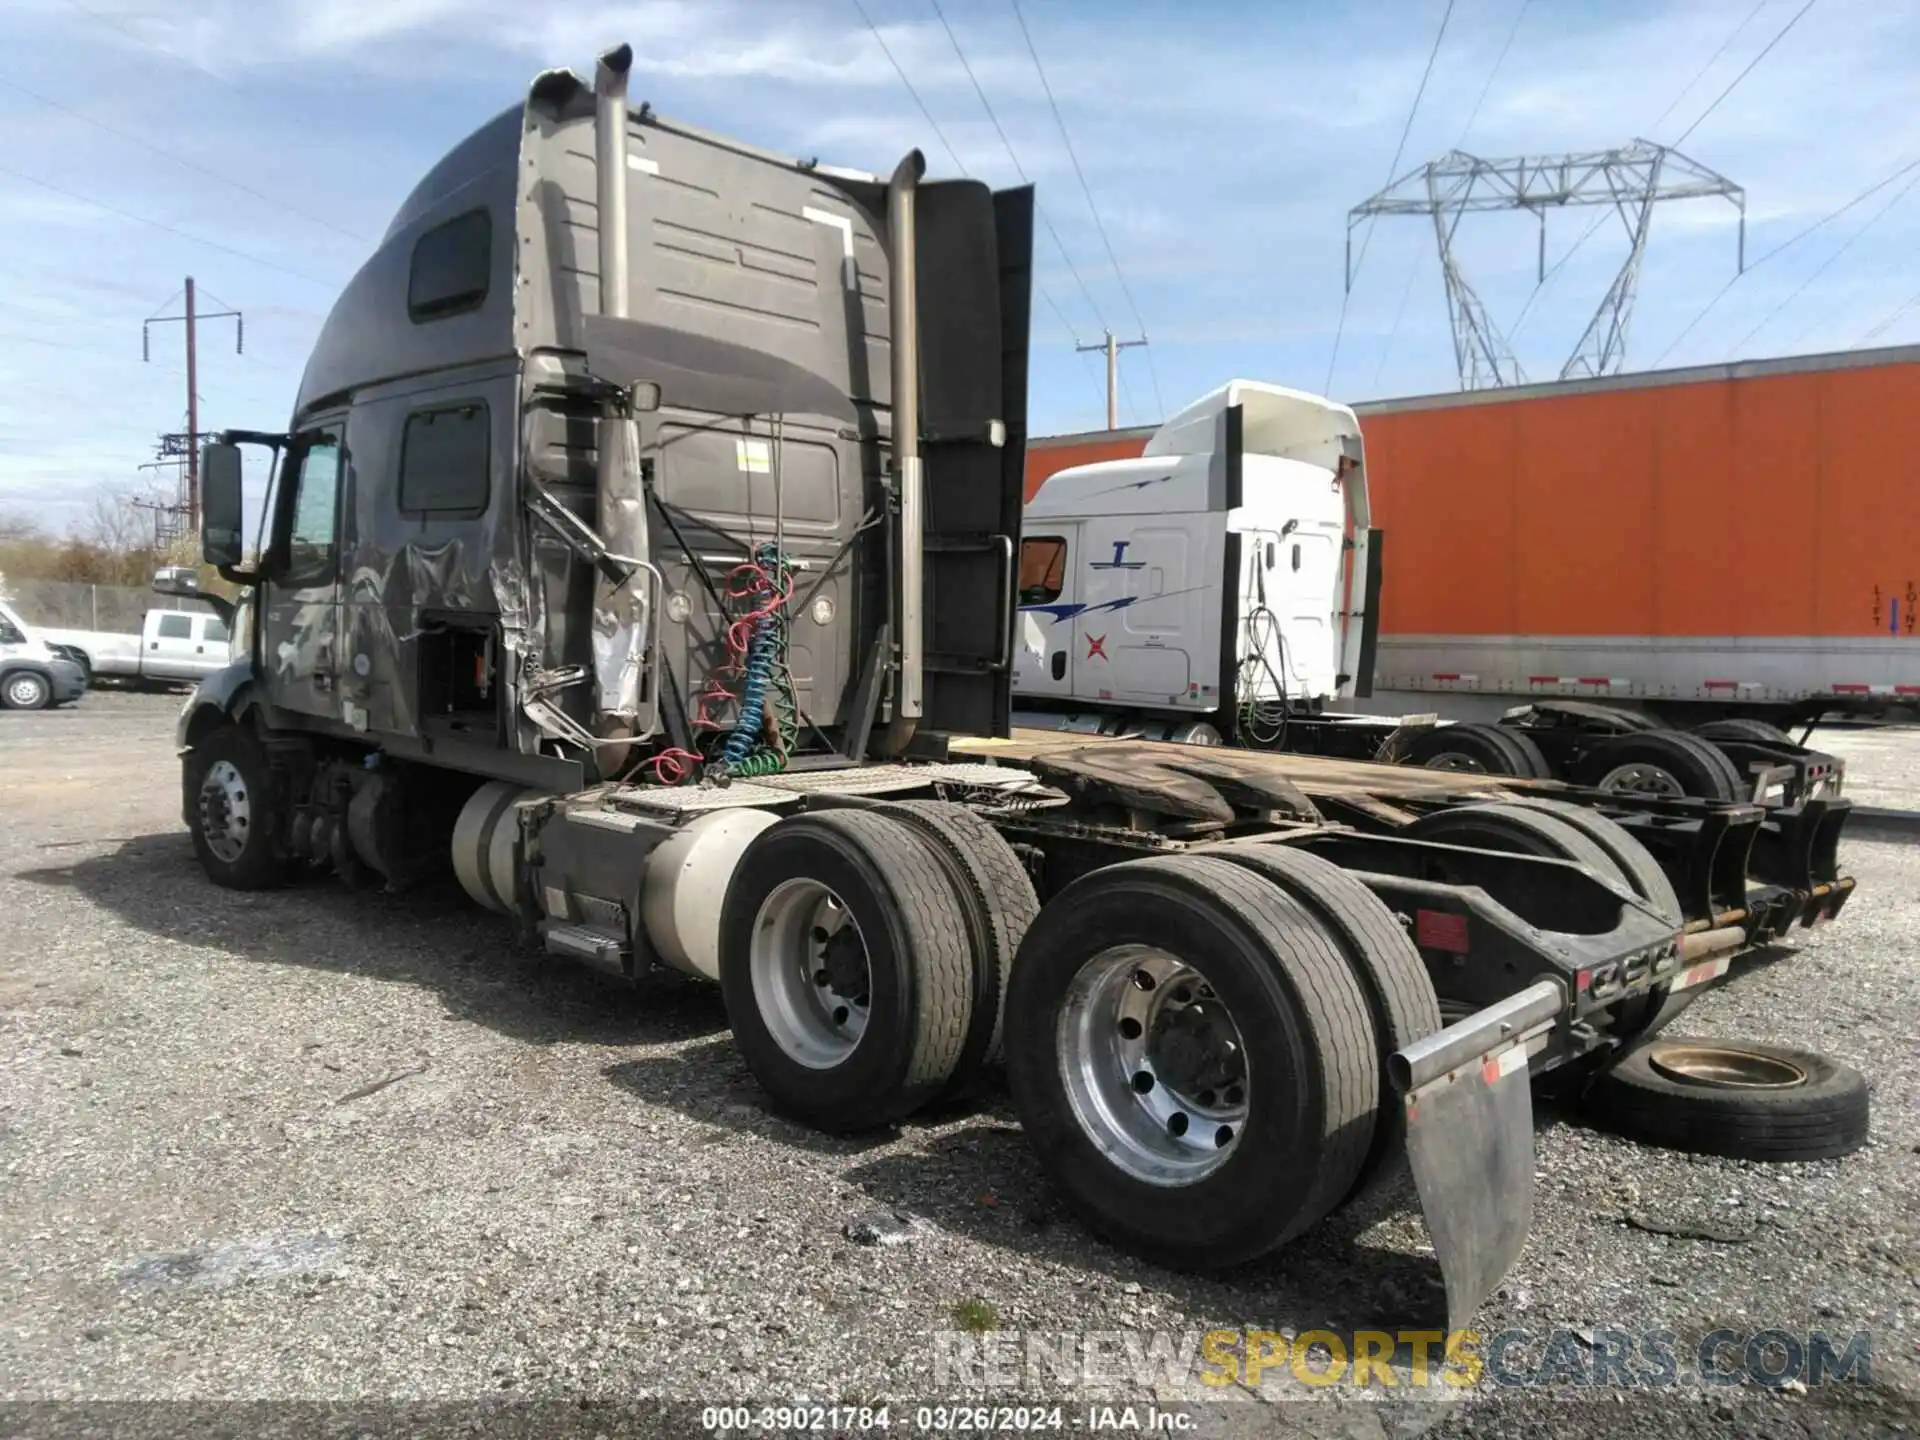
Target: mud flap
[{"x": 1469, "y": 1110}]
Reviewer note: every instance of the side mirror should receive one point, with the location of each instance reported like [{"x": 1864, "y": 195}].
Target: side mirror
[
  {"x": 222, "y": 526},
  {"x": 182, "y": 580}
]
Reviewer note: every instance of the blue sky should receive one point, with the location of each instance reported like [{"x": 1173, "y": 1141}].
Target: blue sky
[{"x": 260, "y": 144}]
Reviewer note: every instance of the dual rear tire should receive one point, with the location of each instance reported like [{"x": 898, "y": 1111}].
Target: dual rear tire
[{"x": 864, "y": 956}]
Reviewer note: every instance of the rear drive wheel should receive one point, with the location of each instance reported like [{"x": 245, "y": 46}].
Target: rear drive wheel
[
  {"x": 844, "y": 966},
  {"x": 1648, "y": 1014},
  {"x": 1193, "y": 1059},
  {"x": 236, "y": 813},
  {"x": 26, "y": 690},
  {"x": 1735, "y": 1098},
  {"x": 1757, "y": 732},
  {"x": 997, "y": 896},
  {"x": 1478, "y": 750},
  {"x": 1659, "y": 763},
  {"x": 1399, "y": 991}
]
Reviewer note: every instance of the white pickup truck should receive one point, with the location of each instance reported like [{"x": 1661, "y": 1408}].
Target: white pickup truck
[{"x": 172, "y": 646}]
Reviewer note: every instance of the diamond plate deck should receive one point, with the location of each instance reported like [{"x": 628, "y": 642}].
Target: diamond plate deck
[{"x": 693, "y": 799}]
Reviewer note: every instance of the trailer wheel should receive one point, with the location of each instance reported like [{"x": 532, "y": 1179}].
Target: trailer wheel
[
  {"x": 1660, "y": 763},
  {"x": 235, "y": 811},
  {"x": 844, "y": 966},
  {"x": 1192, "y": 1058},
  {"x": 997, "y": 895},
  {"x": 1478, "y": 750},
  {"x": 1399, "y": 991},
  {"x": 1739, "y": 1099},
  {"x": 1757, "y": 732}
]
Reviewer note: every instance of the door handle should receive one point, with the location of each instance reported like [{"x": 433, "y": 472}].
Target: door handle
[
  {"x": 199, "y": 649},
  {"x": 1003, "y": 657},
  {"x": 153, "y": 645}
]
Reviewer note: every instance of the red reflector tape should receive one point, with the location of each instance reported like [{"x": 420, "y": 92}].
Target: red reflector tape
[
  {"x": 1906, "y": 689},
  {"x": 1852, "y": 689},
  {"x": 1513, "y": 1058},
  {"x": 1438, "y": 930},
  {"x": 1703, "y": 972}
]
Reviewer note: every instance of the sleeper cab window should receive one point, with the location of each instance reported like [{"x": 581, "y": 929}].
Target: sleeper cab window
[
  {"x": 444, "y": 462},
  {"x": 451, "y": 265},
  {"x": 1043, "y": 569}
]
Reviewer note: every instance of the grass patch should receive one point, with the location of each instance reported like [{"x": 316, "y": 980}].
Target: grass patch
[{"x": 976, "y": 1316}]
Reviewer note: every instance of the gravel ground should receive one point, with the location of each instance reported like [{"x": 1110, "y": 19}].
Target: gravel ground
[{"x": 332, "y": 1145}]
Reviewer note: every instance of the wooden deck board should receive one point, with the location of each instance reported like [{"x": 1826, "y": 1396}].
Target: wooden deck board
[{"x": 1314, "y": 774}]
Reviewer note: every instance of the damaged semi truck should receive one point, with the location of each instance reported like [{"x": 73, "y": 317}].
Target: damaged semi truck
[{"x": 643, "y": 544}]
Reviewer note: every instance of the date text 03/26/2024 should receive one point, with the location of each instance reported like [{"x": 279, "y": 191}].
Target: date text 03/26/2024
[{"x": 941, "y": 1419}]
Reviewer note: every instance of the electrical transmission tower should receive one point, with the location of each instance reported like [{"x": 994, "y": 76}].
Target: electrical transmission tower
[{"x": 1632, "y": 179}]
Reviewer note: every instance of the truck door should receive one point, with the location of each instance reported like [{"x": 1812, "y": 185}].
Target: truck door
[
  {"x": 1045, "y": 636},
  {"x": 166, "y": 652},
  {"x": 300, "y": 617},
  {"x": 1143, "y": 617}
]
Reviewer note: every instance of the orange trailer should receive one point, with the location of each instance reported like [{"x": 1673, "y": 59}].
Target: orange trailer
[{"x": 1746, "y": 535}]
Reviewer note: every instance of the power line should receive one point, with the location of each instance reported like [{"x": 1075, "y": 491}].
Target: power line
[
  {"x": 1413, "y": 265},
  {"x": 133, "y": 139},
  {"x": 1886, "y": 324},
  {"x": 1765, "y": 50},
  {"x": 158, "y": 49},
  {"x": 1712, "y": 60},
  {"x": 954, "y": 155},
  {"x": 1499, "y": 60},
  {"x": 1018, "y": 169},
  {"x": 1784, "y": 245},
  {"x": 1825, "y": 265},
  {"x": 1392, "y": 170},
  {"x": 170, "y": 229},
  {"x": 1093, "y": 209}
]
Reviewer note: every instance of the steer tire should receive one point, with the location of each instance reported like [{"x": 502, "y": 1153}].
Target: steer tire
[
  {"x": 1312, "y": 1077},
  {"x": 1753, "y": 732},
  {"x": 997, "y": 896},
  {"x": 1399, "y": 991},
  {"x": 1478, "y": 749},
  {"x": 262, "y": 862},
  {"x": 1822, "y": 1116},
  {"x": 912, "y": 926},
  {"x": 1697, "y": 767}
]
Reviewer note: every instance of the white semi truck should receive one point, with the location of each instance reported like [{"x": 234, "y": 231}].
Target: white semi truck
[
  {"x": 668, "y": 602},
  {"x": 1224, "y": 586}
]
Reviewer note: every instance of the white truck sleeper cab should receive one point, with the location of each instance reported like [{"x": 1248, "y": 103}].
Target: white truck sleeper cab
[{"x": 1124, "y": 565}]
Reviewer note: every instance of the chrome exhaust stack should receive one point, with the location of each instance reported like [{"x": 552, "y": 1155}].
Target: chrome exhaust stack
[
  {"x": 902, "y": 305},
  {"x": 625, "y": 703}
]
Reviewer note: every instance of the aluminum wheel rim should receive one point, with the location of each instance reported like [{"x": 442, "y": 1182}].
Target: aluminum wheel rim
[
  {"x": 1154, "y": 1065},
  {"x": 812, "y": 981},
  {"x": 1455, "y": 760},
  {"x": 1642, "y": 778},
  {"x": 226, "y": 813},
  {"x": 23, "y": 691},
  {"x": 1724, "y": 1067}
]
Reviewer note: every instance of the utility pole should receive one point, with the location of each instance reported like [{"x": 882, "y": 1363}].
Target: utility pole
[
  {"x": 189, "y": 444},
  {"x": 1113, "y": 348}
]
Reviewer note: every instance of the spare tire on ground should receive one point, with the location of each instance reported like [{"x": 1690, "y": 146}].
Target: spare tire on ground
[{"x": 1734, "y": 1098}]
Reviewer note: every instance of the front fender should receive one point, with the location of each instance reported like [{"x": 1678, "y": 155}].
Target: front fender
[{"x": 219, "y": 699}]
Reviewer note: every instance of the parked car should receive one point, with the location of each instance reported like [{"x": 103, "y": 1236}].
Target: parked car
[
  {"x": 172, "y": 646},
  {"x": 32, "y": 675}
]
